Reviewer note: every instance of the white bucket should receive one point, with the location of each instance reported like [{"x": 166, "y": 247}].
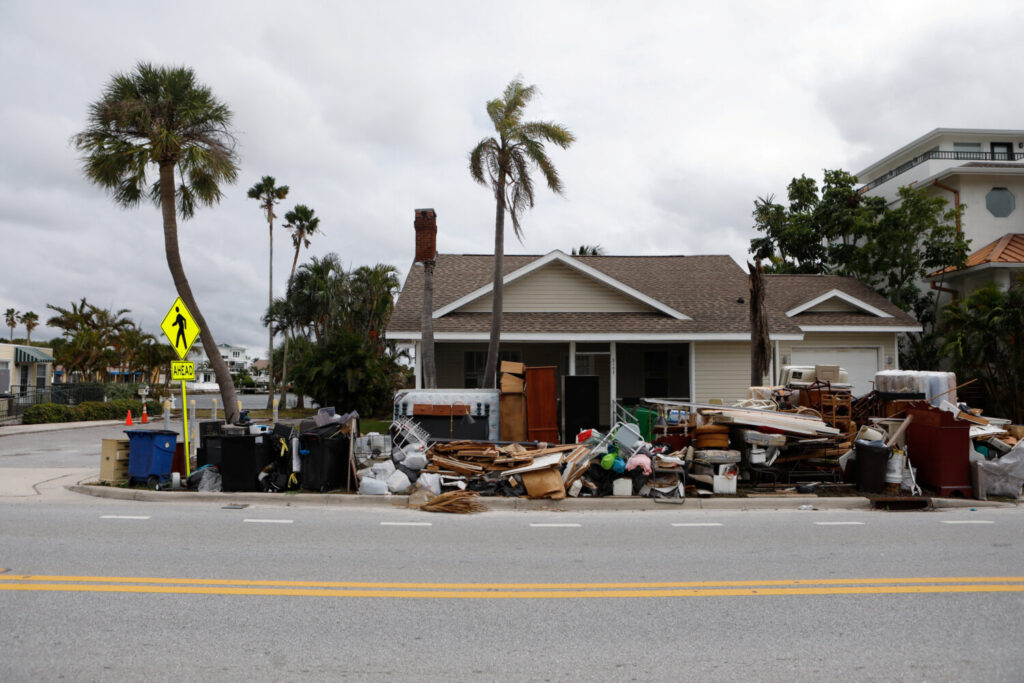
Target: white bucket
[{"x": 894, "y": 469}]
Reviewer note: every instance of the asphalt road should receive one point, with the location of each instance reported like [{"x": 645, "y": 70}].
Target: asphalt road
[{"x": 397, "y": 594}]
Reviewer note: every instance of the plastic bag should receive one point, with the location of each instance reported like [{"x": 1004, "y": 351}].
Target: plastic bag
[
  {"x": 371, "y": 486},
  {"x": 383, "y": 470},
  {"x": 431, "y": 481},
  {"x": 398, "y": 482},
  {"x": 210, "y": 481}
]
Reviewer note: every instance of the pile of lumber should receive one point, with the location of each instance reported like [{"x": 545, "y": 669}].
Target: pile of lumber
[{"x": 471, "y": 458}]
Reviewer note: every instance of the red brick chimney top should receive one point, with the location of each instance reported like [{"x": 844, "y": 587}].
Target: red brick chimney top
[{"x": 425, "y": 225}]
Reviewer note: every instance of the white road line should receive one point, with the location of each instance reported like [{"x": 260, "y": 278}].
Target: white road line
[
  {"x": 269, "y": 521},
  {"x": 556, "y": 525},
  {"x": 697, "y": 524},
  {"x": 840, "y": 523},
  {"x": 967, "y": 521},
  {"x": 124, "y": 516},
  {"x": 406, "y": 523}
]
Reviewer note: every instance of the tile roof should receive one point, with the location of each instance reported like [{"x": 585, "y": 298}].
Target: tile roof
[
  {"x": 1007, "y": 249},
  {"x": 711, "y": 290}
]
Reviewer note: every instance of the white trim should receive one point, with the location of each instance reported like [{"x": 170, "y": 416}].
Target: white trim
[
  {"x": 572, "y": 359},
  {"x": 926, "y": 141},
  {"x": 613, "y": 381},
  {"x": 693, "y": 369},
  {"x": 861, "y": 328},
  {"x": 417, "y": 347},
  {"x": 560, "y": 256},
  {"x": 837, "y": 294},
  {"x": 975, "y": 269},
  {"x": 616, "y": 336}
]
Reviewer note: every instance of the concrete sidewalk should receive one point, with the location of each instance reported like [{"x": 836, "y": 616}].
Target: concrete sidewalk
[{"x": 9, "y": 430}]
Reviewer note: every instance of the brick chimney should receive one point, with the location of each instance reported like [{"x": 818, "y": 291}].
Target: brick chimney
[{"x": 426, "y": 234}]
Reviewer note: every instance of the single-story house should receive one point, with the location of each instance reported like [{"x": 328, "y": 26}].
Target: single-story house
[
  {"x": 647, "y": 326},
  {"x": 24, "y": 368}
]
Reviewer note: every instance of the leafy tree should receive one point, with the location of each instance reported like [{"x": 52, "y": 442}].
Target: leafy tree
[
  {"x": 11, "y": 318},
  {"x": 985, "y": 338},
  {"x": 269, "y": 193},
  {"x": 31, "y": 321},
  {"x": 163, "y": 117},
  {"x": 890, "y": 248},
  {"x": 503, "y": 162},
  {"x": 303, "y": 222}
]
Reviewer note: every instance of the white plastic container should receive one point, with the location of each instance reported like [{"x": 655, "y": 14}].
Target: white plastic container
[
  {"x": 622, "y": 487},
  {"x": 725, "y": 480}
]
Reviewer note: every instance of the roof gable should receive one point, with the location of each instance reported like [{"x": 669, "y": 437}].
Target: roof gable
[
  {"x": 836, "y": 300},
  {"x": 627, "y": 298}
]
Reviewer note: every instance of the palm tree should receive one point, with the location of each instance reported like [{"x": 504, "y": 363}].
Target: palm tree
[
  {"x": 11, "y": 317},
  {"x": 588, "y": 250},
  {"x": 268, "y": 195},
  {"x": 303, "y": 223},
  {"x": 161, "y": 116},
  {"x": 31, "y": 321},
  {"x": 504, "y": 163}
]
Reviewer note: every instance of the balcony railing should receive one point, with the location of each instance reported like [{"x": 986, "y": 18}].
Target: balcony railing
[{"x": 935, "y": 154}]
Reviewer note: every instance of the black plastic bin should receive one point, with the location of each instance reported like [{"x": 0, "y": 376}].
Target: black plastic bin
[
  {"x": 242, "y": 458},
  {"x": 324, "y": 461},
  {"x": 872, "y": 461}
]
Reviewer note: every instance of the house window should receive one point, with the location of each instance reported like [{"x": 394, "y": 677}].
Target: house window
[
  {"x": 40, "y": 375},
  {"x": 475, "y": 362},
  {"x": 234, "y": 354},
  {"x": 1002, "y": 151},
  {"x": 967, "y": 150},
  {"x": 1000, "y": 202}
]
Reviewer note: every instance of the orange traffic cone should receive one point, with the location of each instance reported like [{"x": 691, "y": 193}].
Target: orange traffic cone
[
  {"x": 145, "y": 415},
  {"x": 128, "y": 420}
]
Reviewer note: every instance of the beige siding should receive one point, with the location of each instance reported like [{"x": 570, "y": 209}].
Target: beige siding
[
  {"x": 559, "y": 289},
  {"x": 885, "y": 341},
  {"x": 721, "y": 371}
]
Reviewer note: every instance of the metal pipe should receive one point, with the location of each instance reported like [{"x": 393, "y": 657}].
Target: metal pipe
[{"x": 956, "y": 202}]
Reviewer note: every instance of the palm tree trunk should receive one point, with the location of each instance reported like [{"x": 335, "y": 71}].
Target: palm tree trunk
[
  {"x": 427, "y": 327},
  {"x": 220, "y": 368},
  {"x": 491, "y": 368},
  {"x": 270, "y": 302}
]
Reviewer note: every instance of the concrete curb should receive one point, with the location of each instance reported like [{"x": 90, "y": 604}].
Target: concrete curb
[
  {"x": 951, "y": 503},
  {"x": 492, "y": 503}
]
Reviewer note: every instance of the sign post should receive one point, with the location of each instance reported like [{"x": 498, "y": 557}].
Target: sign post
[{"x": 181, "y": 330}]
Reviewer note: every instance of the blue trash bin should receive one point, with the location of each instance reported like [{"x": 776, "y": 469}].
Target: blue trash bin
[{"x": 150, "y": 453}]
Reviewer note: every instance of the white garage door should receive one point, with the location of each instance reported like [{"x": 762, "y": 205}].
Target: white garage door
[{"x": 860, "y": 363}]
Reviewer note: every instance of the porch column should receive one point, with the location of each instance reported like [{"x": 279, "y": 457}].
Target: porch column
[
  {"x": 612, "y": 388},
  {"x": 572, "y": 358},
  {"x": 419, "y": 364}
]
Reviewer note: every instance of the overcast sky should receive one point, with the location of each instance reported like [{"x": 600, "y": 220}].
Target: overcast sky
[{"x": 684, "y": 114}]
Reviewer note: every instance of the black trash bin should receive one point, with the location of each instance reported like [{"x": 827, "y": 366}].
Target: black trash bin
[
  {"x": 872, "y": 461},
  {"x": 324, "y": 461},
  {"x": 242, "y": 458}
]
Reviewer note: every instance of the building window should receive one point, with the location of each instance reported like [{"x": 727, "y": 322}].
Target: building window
[
  {"x": 1002, "y": 151},
  {"x": 1000, "y": 202},
  {"x": 234, "y": 354},
  {"x": 40, "y": 375},
  {"x": 967, "y": 150},
  {"x": 475, "y": 362}
]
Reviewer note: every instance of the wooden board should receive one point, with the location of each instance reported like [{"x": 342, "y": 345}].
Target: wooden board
[
  {"x": 542, "y": 404},
  {"x": 512, "y": 425}
]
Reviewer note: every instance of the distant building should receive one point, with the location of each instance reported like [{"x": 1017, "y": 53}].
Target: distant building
[
  {"x": 234, "y": 356},
  {"x": 24, "y": 368},
  {"x": 982, "y": 169}
]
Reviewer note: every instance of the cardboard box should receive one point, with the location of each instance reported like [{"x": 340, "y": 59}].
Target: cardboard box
[
  {"x": 114, "y": 461},
  {"x": 510, "y": 384},
  {"x": 513, "y": 368},
  {"x": 546, "y": 483}
]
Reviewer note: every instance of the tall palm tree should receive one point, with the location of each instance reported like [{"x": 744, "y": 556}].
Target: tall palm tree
[
  {"x": 11, "y": 317},
  {"x": 163, "y": 117},
  {"x": 588, "y": 250},
  {"x": 269, "y": 194},
  {"x": 31, "y": 321},
  {"x": 303, "y": 222},
  {"x": 504, "y": 163}
]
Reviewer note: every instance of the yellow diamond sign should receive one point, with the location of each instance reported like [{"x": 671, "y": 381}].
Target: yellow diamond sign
[{"x": 180, "y": 327}]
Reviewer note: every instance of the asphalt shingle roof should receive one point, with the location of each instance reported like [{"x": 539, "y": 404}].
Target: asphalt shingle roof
[{"x": 712, "y": 290}]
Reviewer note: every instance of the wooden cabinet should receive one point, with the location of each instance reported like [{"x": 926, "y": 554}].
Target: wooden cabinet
[{"x": 542, "y": 404}]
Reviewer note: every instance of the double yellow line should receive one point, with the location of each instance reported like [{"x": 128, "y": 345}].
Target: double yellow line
[{"x": 491, "y": 591}]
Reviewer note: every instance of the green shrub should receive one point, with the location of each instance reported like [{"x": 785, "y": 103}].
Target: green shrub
[{"x": 43, "y": 413}]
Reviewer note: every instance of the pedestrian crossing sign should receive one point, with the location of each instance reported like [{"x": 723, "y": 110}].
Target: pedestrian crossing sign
[{"x": 180, "y": 328}]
